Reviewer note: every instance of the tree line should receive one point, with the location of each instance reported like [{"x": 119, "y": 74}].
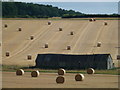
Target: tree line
[{"x": 30, "y": 10}]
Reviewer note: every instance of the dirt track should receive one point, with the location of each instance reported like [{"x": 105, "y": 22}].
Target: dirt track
[
  {"x": 48, "y": 80},
  {"x": 87, "y": 34}
]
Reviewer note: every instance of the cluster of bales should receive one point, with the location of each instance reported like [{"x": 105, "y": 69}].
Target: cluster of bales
[
  {"x": 60, "y": 79},
  {"x": 69, "y": 47},
  {"x": 46, "y": 45},
  {"x": 72, "y": 33},
  {"x": 60, "y": 29},
  {"x": 92, "y": 19},
  {"x": 19, "y": 29},
  {"x": 21, "y": 72},
  {"x": 29, "y": 56}
]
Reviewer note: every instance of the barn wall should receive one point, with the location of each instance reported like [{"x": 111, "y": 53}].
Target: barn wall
[
  {"x": 109, "y": 63},
  {"x": 67, "y": 61}
]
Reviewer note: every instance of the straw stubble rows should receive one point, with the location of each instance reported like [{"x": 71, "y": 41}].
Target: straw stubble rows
[{"x": 84, "y": 40}]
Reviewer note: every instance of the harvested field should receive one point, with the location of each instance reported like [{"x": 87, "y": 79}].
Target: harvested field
[
  {"x": 87, "y": 34},
  {"x": 48, "y": 80}
]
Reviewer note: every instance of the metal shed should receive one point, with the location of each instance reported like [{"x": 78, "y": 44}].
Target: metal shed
[{"x": 72, "y": 62}]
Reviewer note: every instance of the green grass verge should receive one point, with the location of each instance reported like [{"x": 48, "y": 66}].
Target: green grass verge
[{"x": 13, "y": 68}]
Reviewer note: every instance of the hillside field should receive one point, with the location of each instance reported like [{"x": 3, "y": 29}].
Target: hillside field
[{"x": 84, "y": 41}]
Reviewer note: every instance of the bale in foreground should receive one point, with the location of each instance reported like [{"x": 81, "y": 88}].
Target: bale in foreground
[
  {"x": 20, "y": 72},
  {"x": 90, "y": 19},
  {"x": 90, "y": 71},
  {"x": 61, "y": 71},
  {"x": 79, "y": 77},
  {"x": 60, "y": 80},
  {"x": 35, "y": 73}
]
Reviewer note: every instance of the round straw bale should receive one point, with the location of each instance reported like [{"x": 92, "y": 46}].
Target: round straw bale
[
  {"x": 118, "y": 57},
  {"x": 79, "y": 77},
  {"x": 61, "y": 71},
  {"x": 94, "y": 19},
  {"x": 105, "y": 23},
  {"x": 35, "y": 73},
  {"x": 29, "y": 57},
  {"x": 60, "y": 80},
  {"x": 90, "y": 19},
  {"x": 99, "y": 44},
  {"x": 19, "y": 29},
  {"x": 49, "y": 22},
  {"x": 46, "y": 45},
  {"x": 90, "y": 71},
  {"x": 71, "y": 33},
  {"x": 60, "y": 29},
  {"x": 5, "y": 25},
  {"x": 7, "y": 53},
  {"x": 32, "y": 37},
  {"x": 20, "y": 72},
  {"x": 68, "y": 47}
]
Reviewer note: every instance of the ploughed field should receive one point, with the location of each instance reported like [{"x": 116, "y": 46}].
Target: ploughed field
[{"x": 84, "y": 41}]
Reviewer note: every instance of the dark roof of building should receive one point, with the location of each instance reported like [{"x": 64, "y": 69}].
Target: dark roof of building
[
  {"x": 75, "y": 56},
  {"x": 74, "y": 61}
]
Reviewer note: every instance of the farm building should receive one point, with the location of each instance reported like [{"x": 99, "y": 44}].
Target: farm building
[{"x": 68, "y": 61}]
